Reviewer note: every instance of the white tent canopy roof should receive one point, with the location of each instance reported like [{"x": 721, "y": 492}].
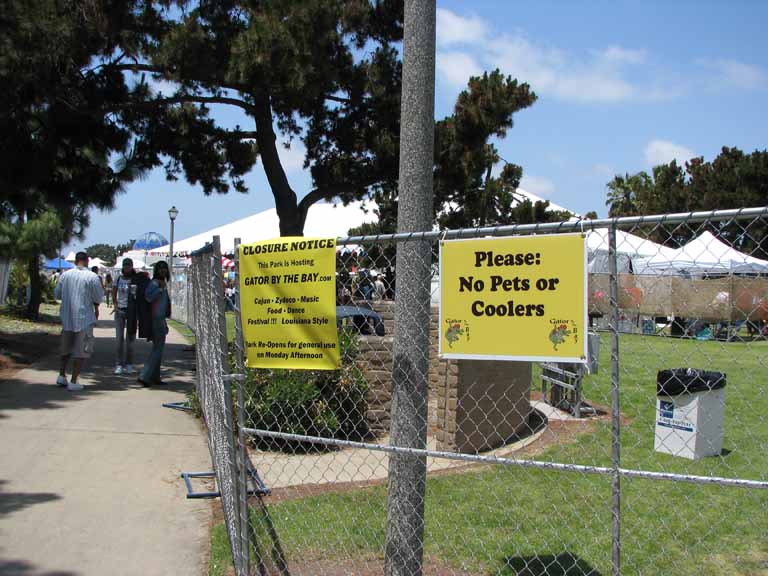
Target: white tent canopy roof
[
  {"x": 626, "y": 243},
  {"x": 705, "y": 254},
  {"x": 138, "y": 259},
  {"x": 628, "y": 247},
  {"x": 323, "y": 220},
  {"x": 97, "y": 262}
]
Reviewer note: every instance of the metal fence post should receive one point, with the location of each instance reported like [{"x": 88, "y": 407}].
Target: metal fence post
[
  {"x": 615, "y": 406},
  {"x": 407, "y": 472},
  {"x": 241, "y": 439}
]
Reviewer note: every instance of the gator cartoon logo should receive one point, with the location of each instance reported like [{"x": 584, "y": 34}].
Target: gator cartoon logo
[
  {"x": 559, "y": 335},
  {"x": 455, "y": 330}
]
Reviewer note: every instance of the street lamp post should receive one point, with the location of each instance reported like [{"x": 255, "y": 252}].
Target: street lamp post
[{"x": 172, "y": 213}]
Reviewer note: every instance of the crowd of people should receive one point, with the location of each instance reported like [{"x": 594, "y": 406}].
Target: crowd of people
[
  {"x": 366, "y": 286},
  {"x": 140, "y": 305}
]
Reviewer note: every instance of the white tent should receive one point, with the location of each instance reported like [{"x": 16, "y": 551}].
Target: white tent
[
  {"x": 97, "y": 262},
  {"x": 703, "y": 255},
  {"x": 323, "y": 220},
  {"x": 71, "y": 256},
  {"x": 628, "y": 247},
  {"x": 137, "y": 257}
]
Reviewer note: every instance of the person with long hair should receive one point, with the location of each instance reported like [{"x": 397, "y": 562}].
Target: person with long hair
[{"x": 156, "y": 294}]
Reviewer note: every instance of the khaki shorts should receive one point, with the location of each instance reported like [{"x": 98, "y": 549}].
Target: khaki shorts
[{"x": 77, "y": 344}]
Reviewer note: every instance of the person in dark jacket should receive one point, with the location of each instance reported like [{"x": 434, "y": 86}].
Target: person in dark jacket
[
  {"x": 156, "y": 295},
  {"x": 142, "y": 318}
]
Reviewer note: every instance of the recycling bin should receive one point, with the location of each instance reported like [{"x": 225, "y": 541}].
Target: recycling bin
[{"x": 690, "y": 405}]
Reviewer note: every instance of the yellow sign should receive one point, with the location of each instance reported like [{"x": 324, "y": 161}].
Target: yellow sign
[
  {"x": 520, "y": 298},
  {"x": 288, "y": 303}
]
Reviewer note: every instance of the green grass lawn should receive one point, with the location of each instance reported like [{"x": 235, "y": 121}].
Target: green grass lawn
[
  {"x": 495, "y": 520},
  {"x": 190, "y": 336},
  {"x": 13, "y": 320}
]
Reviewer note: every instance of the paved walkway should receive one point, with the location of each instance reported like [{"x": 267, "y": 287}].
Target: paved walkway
[{"x": 89, "y": 481}]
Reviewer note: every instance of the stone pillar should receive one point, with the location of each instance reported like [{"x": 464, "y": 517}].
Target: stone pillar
[{"x": 482, "y": 404}]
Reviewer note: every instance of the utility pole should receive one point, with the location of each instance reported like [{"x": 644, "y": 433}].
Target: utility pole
[{"x": 407, "y": 473}]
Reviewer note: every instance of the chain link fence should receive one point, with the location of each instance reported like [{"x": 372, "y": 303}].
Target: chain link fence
[
  {"x": 651, "y": 461},
  {"x": 182, "y": 305},
  {"x": 214, "y": 392}
]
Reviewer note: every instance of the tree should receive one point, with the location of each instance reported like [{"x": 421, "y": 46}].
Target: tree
[
  {"x": 627, "y": 195},
  {"x": 123, "y": 248},
  {"x": 105, "y": 252},
  {"x": 732, "y": 180},
  {"x": 324, "y": 72},
  {"x": 56, "y": 153},
  {"x": 466, "y": 192}
]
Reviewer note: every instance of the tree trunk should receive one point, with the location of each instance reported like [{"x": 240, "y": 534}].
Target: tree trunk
[
  {"x": 35, "y": 295},
  {"x": 286, "y": 204}
]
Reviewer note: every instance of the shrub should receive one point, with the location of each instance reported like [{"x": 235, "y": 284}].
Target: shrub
[
  {"x": 329, "y": 403},
  {"x": 47, "y": 289},
  {"x": 312, "y": 403},
  {"x": 18, "y": 281}
]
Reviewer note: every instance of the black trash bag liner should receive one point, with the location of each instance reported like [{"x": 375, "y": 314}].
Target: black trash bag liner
[{"x": 687, "y": 380}]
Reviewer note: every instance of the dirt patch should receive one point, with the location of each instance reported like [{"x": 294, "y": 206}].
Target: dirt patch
[
  {"x": 19, "y": 350},
  {"x": 365, "y": 566}
]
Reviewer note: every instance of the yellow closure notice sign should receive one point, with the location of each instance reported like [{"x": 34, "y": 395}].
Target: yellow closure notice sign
[
  {"x": 519, "y": 298},
  {"x": 288, "y": 303}
]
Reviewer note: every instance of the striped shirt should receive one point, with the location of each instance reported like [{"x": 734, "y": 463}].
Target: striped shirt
[{"x": 78, "y": 289}]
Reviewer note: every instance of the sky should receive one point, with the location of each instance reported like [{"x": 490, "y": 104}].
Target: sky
[{"x": 622, "y": 86}]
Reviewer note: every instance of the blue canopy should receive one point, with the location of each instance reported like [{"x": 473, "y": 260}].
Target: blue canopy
[
  {"x": 150, "y": 241},
  {"x": 57, "y": 264}
]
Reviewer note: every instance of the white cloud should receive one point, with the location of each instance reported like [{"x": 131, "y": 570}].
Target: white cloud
[
  {"x": 457, "y": 67},
  {"x": 455, "y": 29},
  {"x": 596, "y": 77},
  {"x": 292, "y": 158},
  {"x": 663, "y": 152},
  {"x": 623, "y": 55},
  {"x": 606, "y": 74},
  {"x": 164, "y": 87},
  {"x": 729, "y": 74},
  {"x": 543, "y": 187}
]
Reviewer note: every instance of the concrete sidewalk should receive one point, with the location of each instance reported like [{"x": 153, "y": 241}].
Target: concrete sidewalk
[{"x": 89, "y": 481}]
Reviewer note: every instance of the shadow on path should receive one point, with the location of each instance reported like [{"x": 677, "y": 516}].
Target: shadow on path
[
  {"x": 24, "y": 568},
  {"x": 14, "y": 501},
  {"x": 35, "y": 387},
  {"x": 563, "y": 564}
]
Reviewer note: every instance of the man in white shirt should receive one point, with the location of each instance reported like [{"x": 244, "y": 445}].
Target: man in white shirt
[
  {"x": 80, "y": 293},
  {"x": 379, "y": 288}
]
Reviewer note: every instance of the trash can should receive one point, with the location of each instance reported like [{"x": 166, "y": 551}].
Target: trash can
[{"x": 689, "y": 412}]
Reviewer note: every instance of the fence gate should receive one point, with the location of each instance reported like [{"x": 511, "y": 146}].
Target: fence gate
[{"x": 643, "y": 480}]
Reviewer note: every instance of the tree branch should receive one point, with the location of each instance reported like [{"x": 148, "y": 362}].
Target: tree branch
[
  {"x": 338, "y": 99},
  {"x": 138, "y": 67},
  {"x": 141, "y": 67},
  {"x": 328, "y": 192},
  {"x": 201, "y": 99}
]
